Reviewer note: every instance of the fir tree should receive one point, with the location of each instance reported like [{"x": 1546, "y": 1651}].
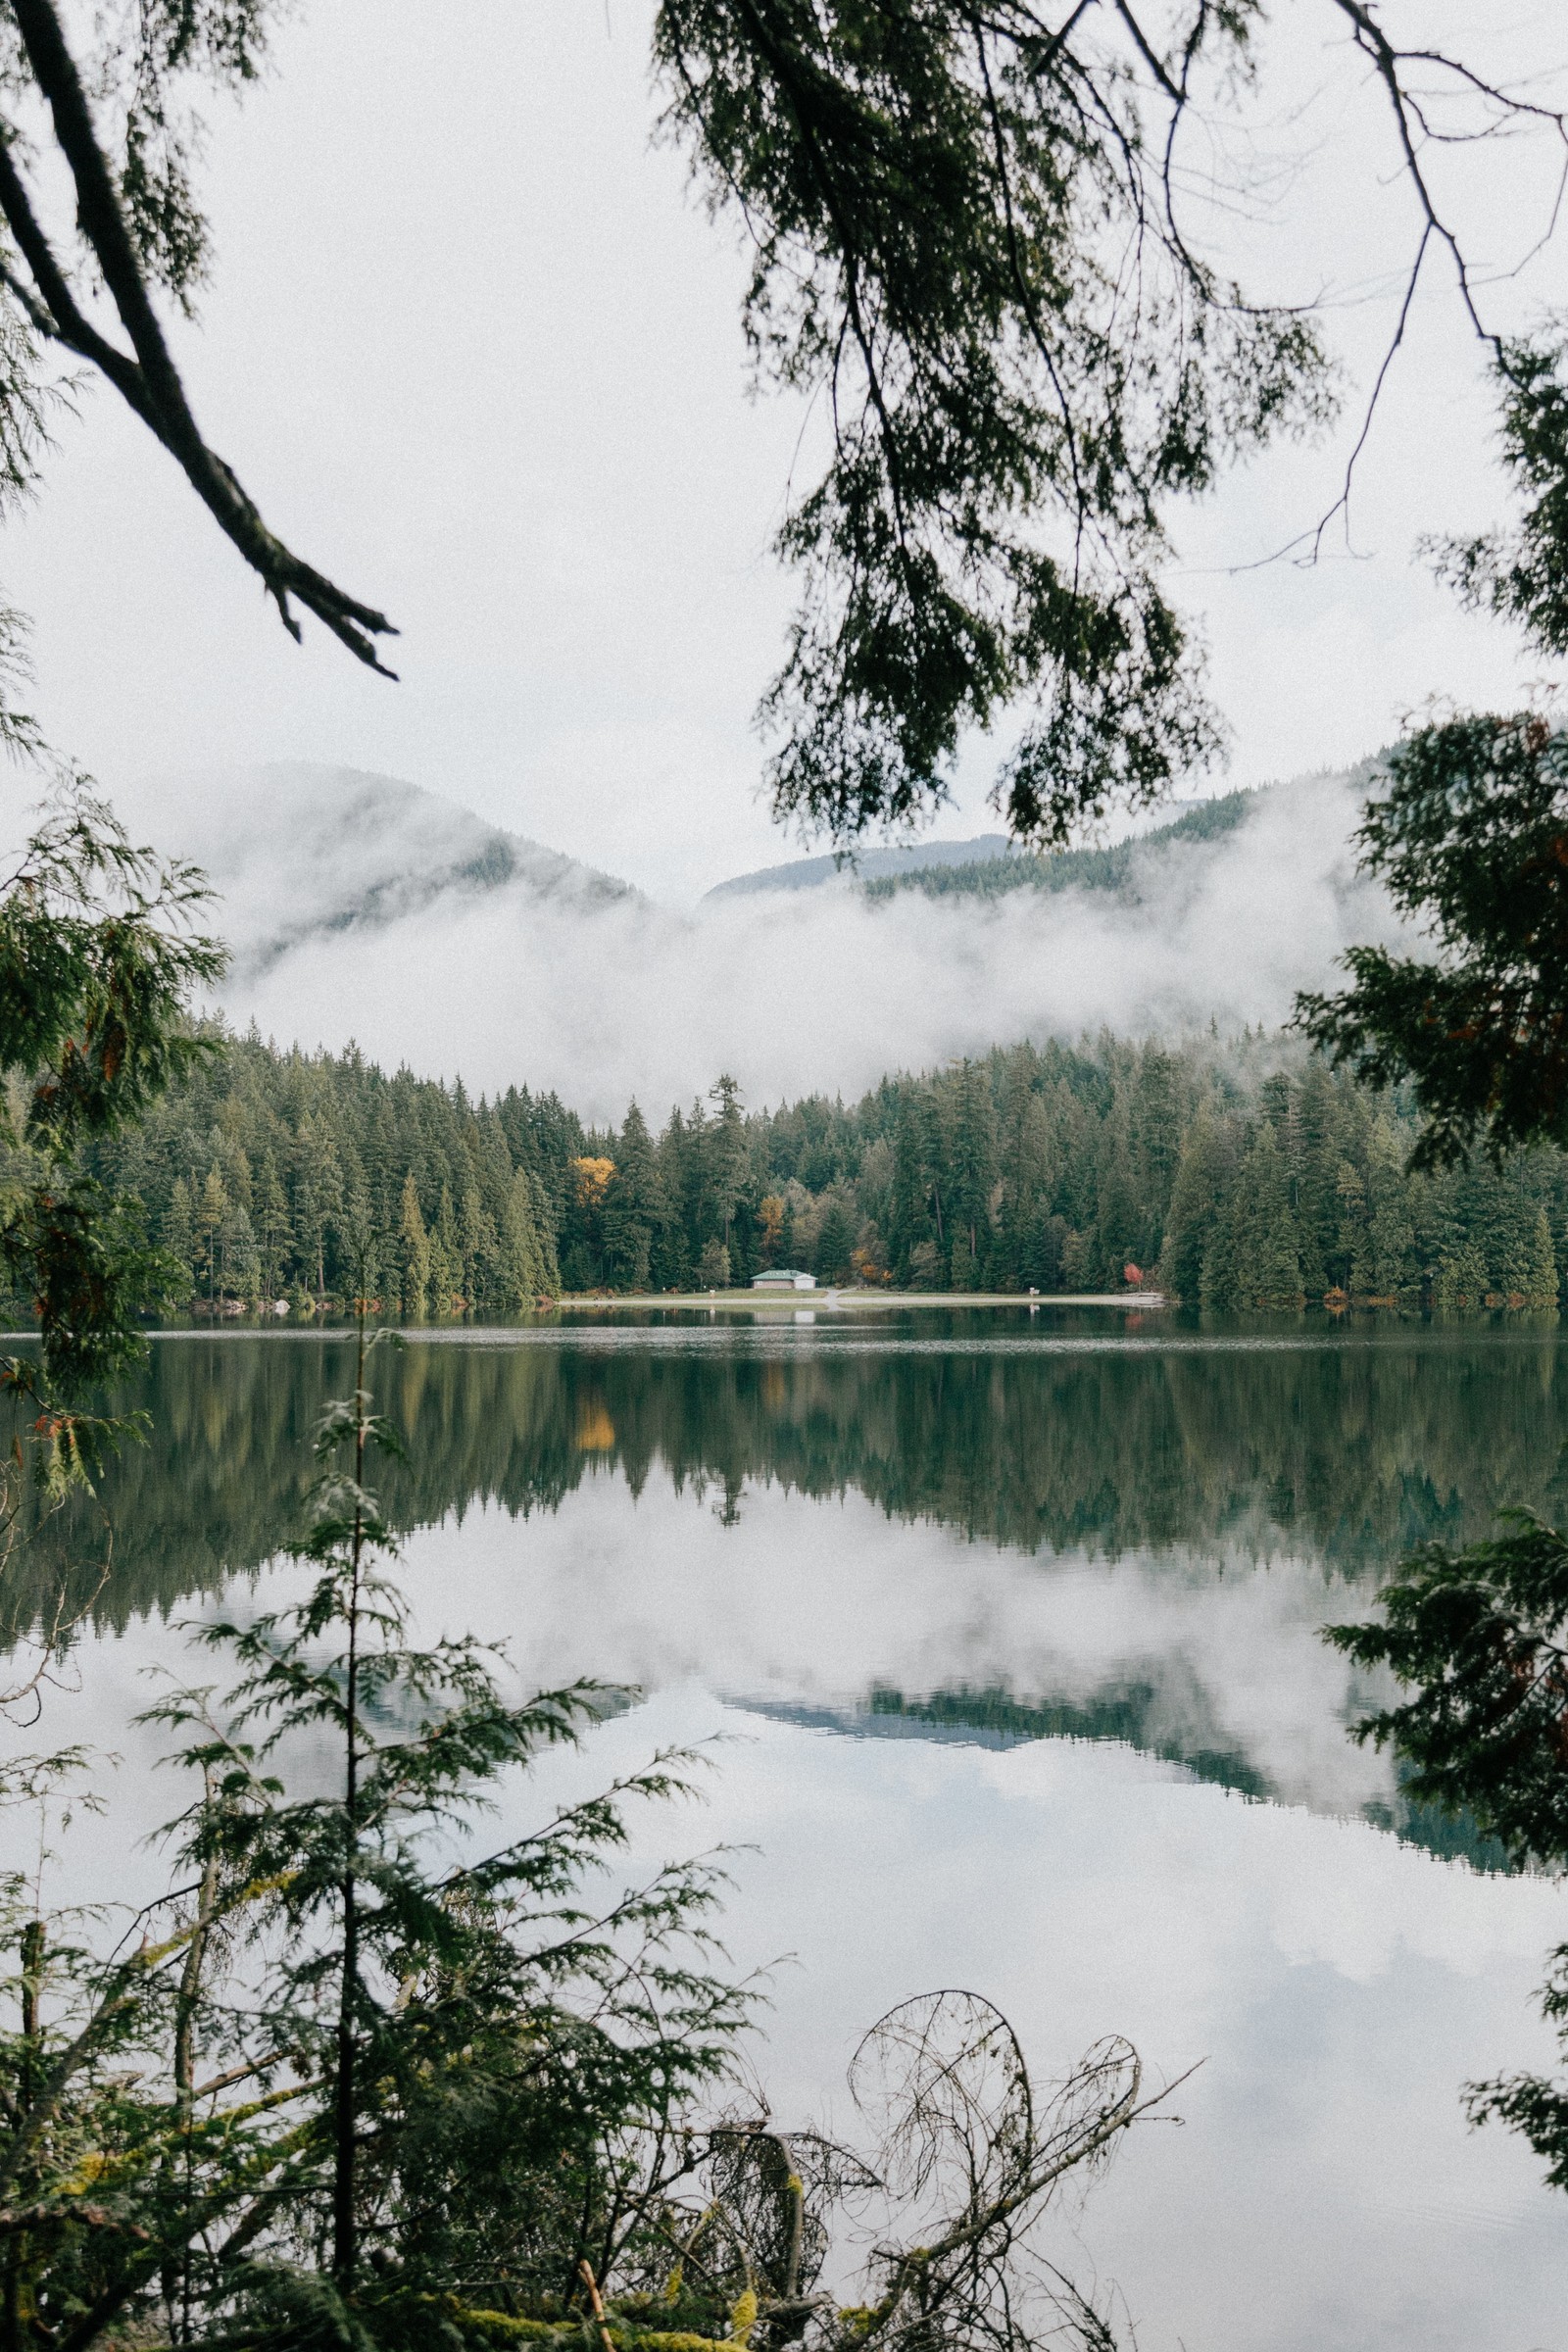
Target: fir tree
[
  {"x": 179, "y": 1236},
  {"x": 414, "y": 1252},
  {"x": 526, "y": 1259},
  {"x": 636, "y": 1213},
  {"x": 1267, "y": 1269},
  {"x": 446, "y": 1256},
  {"x": 836, "y": 1237},
  {"x": 211, "y": 1219},
  {"x": 1197, "y": 1199}
]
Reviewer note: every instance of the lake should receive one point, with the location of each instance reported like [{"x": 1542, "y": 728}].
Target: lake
[{"x": 1011, "y": 1622}]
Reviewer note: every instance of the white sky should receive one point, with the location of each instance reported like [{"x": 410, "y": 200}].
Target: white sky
[{"x": 474, "y": 350}]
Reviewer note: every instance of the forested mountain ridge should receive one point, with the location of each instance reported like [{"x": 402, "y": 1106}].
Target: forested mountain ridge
[
  {"x": 992, "y": 865},
  {"x": 1120, "y": 865},
  {"x": 297, "y": 852},
  {"x": 810, "y": 873},
  {"x": 1245, "y": 1177},
  {"x": 992, "y": 862}
]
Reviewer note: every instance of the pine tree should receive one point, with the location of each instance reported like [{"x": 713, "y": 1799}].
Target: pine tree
[
  {"x": 1267, "y": 1263},
  {"x": 318, "y": 1197},
  {"x": 1351, "y": 1262},
  {"x": 415, "y": 1253},
  {"x": 635, "y": 1213},
  {"x": 1035, "y": 1168},
  {"x": 482, "y": 1283},
  {"x": 1462, "y": 1281},
  {"x": 446, "y": 1256},
  {"x": 1541, "y": 1267},
  {"x": 714, "y": 1271},
  {"x": 1390, "y": 1269},
  {"x": 273, "y": 1228},
  {"x": 971, "y": 1161},
  {"x": 728, "y": 1166},
  {"x": 179, "y": 1237},
  {"x": 211, "y": 1221},
  {"x": 1156, "y": 1140},
  {"x": 1197, "y": 1206},
  {"x": 1319, "y": 1153},
  {"x": 836, "y": 1237},
  {"x": 527, "y": 1258},
  {"x": 1121, "y": 1234}
]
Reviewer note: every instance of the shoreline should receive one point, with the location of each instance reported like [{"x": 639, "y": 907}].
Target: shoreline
[{"x": 836, "y": 1300}]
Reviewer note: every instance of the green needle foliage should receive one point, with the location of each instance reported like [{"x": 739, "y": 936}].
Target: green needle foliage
[
  {"x": 1472, "y": 842},
  {"x": 112, "y": 2157},
  {"x": 962, "y": 238},
  {"x": 1522, "y": 576},
  {"x": 99, "y": 954},
  {"x": 1481, "y": 1637}
]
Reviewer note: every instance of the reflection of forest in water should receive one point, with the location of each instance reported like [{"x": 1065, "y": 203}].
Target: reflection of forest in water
[
  {"x": 1340, "y": 1453},
  {"x": 1344, "y": 1450}
]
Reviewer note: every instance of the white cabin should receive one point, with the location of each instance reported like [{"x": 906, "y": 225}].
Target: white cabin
[{"x": 783, "y": 1278}]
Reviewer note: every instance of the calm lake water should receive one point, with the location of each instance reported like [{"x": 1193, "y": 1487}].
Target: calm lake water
[{"x": 1012, "y": 1620}]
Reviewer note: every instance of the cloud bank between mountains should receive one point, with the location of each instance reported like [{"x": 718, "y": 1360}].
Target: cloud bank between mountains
[{"x": 361, "y": 909}]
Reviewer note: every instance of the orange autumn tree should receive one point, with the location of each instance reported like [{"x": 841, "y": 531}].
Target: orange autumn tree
[{"x": 591, "y": 1180}]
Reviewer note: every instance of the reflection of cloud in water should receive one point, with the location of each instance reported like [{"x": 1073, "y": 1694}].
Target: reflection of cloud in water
[
  {"x": 1324, "y": 2194},
  {"x": 829, "y": 1607}
]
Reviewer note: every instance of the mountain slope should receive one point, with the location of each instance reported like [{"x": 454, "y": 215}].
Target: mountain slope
[
  {"x": 360, "y": 907},
  {"x": 298, "y": 851},
  {"x": 1122, "y": 865},
  {"x": 808, "y": 873}
]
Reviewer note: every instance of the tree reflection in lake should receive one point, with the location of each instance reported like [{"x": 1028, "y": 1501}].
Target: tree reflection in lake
[
  {"x": 1012, "y": 1616},
  {"x": 1316, "y": 1456}
]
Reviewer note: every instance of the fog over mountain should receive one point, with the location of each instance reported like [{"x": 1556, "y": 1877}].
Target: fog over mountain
[
  {"x": 300, "y": 853},
  {"x": 361, "y": 906}
]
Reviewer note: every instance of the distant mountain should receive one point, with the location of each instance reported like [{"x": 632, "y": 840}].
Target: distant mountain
[
  {"x": 356, "y": 906},
  {"x": 297, "y": 852},
  {"x": 807, "y": 873},
  {"x": 993, "y": 867},
  {"x": 1124, "y": 866},
  {"x": 992, "y": 862}
]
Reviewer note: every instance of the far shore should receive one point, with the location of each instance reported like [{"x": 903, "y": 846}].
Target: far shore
[{"x": 851, "y": 1294}]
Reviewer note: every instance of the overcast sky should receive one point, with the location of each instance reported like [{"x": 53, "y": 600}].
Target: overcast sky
[{"x": 474, "y": 349}]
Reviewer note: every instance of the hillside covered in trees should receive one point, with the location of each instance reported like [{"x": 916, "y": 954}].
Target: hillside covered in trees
[
  {"x": 1241, "y": 1177},
  {"x": 1117, "y": 867}
]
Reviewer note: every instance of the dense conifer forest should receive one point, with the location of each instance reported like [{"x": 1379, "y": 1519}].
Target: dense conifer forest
[{"x": 1241, "y": 1176}]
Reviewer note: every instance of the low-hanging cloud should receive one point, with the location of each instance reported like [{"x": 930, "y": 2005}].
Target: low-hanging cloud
[{"x": 364, "y": 909}]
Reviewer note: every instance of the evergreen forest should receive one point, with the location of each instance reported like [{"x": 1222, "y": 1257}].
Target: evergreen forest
[{"x": 1239, "y": 1176}]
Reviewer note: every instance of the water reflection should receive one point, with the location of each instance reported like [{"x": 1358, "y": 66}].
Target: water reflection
[
  {"x": 1140, "y": 1534},
  {"x": 1008, "y": 1625}
]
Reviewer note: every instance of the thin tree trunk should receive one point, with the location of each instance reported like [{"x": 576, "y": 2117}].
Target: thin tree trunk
[
  {"x": 344, "y": 2248},
  {"x": 18, "y": 2310},
  {"x": 177, "y": 2279}
]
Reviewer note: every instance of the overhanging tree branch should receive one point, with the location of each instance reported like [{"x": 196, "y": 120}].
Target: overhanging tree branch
[{"x": 149, "y": 380}]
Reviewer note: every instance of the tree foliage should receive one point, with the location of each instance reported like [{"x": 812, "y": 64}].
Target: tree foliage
[
  {"x": 98, "y": 952},
  {"x": 1471, "y": 840},
  {"x": 1480, "y": 1637},
  {"x": 1242, "y": 1177},
  {"x": 960, "y": 234}
]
